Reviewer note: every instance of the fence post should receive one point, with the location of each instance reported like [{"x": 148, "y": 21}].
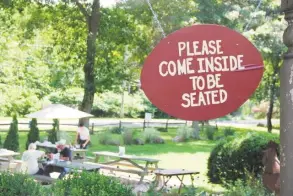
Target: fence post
[
  {"x": 167, "y": 124},
  {"x": 120, "y": 124},
  {"x": 93, "y": 127},
  {"x": 143, "y": 124}
]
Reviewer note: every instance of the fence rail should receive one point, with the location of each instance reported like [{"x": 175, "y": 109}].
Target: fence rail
[{"x": 131, "y": 124}]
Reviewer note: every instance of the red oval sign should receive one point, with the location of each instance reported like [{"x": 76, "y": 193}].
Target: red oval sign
[{"x": 201, "y": 72}]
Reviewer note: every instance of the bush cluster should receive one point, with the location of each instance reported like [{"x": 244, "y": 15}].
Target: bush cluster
[
  {"x": 91, "y": 184},
  {"x": 11, "y": 142},
  {"x": 152, "y": 136},
  {"x": 234, "y": 156},
  {"x": 19, "y": 184},
  {"x": 34, "y": 133},
  {"x": 85, "y": 183}
]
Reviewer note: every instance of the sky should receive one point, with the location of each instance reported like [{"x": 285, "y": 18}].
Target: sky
[{"x": 107, "y": 3}]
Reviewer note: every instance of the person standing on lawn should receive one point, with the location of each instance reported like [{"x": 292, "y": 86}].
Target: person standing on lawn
[{"x": 82, "y": 136}]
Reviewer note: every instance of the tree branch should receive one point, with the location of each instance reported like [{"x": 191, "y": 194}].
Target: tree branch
[{"x": 82, "y": 9}]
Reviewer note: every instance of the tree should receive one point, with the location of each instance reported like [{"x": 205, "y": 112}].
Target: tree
[
  {"x": 118, "y": 44},
  {"x": 268, "y": 38},
  {"x": 34, "y": 134},
  {"x": 52, "y": 137},
  {"x": 11, "y": 142}
]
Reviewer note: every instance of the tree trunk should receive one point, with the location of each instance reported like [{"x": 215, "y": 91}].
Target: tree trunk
[
  {"x": 89, "y": 68},
  {"x": 272, "y": 101}
]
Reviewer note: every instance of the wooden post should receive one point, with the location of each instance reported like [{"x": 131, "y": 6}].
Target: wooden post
[
  {"x": 167, "y": 124},
  {"x": 120, "y": 124},
  {"x": 143, "y": 124},
  {"x": 93, "y": 127},
  {"x": 286, "y": 100}
]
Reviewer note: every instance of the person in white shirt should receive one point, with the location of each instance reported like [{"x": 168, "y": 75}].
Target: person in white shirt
[
  {"x": 82, "y": 136},
  {"x": 30, "y": 158}
]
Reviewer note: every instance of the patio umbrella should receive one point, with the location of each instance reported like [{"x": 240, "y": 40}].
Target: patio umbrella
[{"x": 58, "y": 111}]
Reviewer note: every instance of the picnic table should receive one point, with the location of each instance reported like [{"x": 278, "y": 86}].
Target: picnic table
[
  {"x": 75, "y": 165},
  {"x": 127, "y": 161},
  {"x": 7, "y": 155},
  {"x": 7, "y": 160},
  {"x": 75, "y": 151},
  {"x": 165, "y": 175}
]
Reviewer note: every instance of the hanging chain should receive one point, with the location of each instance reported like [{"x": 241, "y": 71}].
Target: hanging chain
[
  {"x": 250, "y": 20},
  {"x": 156, "y": 18}
]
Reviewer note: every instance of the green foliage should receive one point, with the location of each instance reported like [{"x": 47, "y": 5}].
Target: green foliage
[
  {"x": 11, "y": 142},
  {"x": 19, "y": 184},
  {"x": 117, "y": 130},
  {"x": 70, "y": 97},
  {"x": 107, "y": 138},
  {"x": 228, "y": 131},
  {"x": 236, "y": 155},
  {"x": 104, "y": 138},
  {"x": 52, "y": 135},
  {"x": 252, "y": 187},
  {"x": 109, "y": 104},
  {"x": 91, "y": 184},
  {"x": 185, "y": 133},
  {"x": 151, "y": 136},
  {"x": 15, "y": 100},
  {"x": 209, "y": 132},
  {"x": 1, "y": 144},
  {"x": 127, "y": 136},
  {"x": 34, "y": 133}
]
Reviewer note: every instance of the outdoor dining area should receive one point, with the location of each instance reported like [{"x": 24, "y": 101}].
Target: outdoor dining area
[
  {"x": 104, "y": 163},
  {"x": 56, "y": 161}
]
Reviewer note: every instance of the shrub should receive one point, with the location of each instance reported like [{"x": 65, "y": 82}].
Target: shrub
[
  {"x": 117, "y": 130},
  {"x": 150, "y": 135},
  {"x": 107, "y": 139},
  {"x": 184, "y": 133},
  {"x": 34, "y": 134},
  {"x": 91, "y": 184},
  {"x": 52, "y": 137},
  {"x": 104, "y": 138},
  {"x": 228, "y": 132},
  {"x": 233, "y": 156},
  {"x": 11, "y": 142},
  {"x": 158, "y": 140},
  {"x": 19, "y": 184},
  {"x": 138, "y": 141},
  {"x": 210, "y": 131},
  {"x": 252, "y": 187},
  {"x": 114, "y": 142},
  {"x": 127, "y": 137}
]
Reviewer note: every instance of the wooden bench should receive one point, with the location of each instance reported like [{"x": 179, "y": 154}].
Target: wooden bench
[
  {"x": 169, "y": 173},
  {"x": 43, "y": 179},
  {"x": 117, "y": 168}
]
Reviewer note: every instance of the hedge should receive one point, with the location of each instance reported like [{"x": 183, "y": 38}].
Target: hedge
[
  {"x": 77, "y": 184},
  {"x": 238, "y": 155},
  {"x": 20, "y": 185},
  {"x": 90, "y": 184}
]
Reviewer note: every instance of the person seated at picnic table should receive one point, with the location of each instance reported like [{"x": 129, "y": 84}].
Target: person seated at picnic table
[
  {"x": 30, "y": 158},
  {"x": 82, "y": 136},
  {"x": 65, "y": 155}
]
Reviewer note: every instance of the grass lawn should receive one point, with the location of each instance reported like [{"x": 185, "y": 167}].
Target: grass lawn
[{"x": 192, "y": 155}]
